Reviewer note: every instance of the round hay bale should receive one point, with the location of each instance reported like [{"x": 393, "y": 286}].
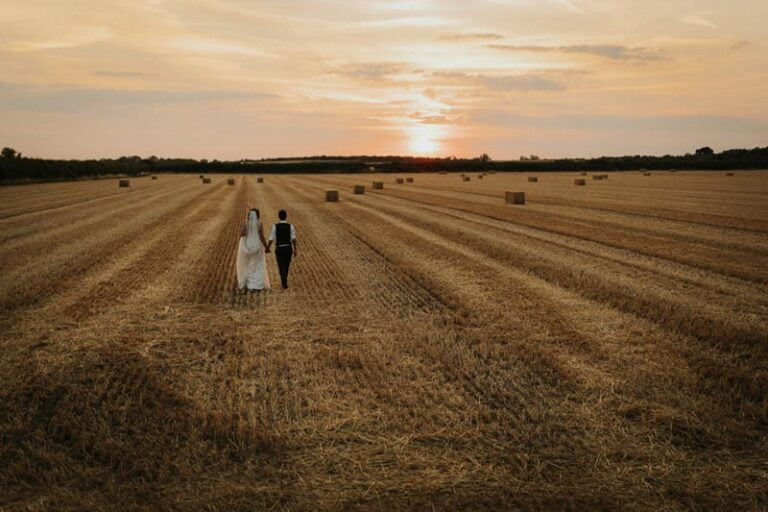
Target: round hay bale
[
  {"x": 378, "y": 185},
  {"x": 533, "y": 179},
  {"x": 597, "y": 177},
  {"x": 729, "y": 174},
  {"x": 206, "y": 181},
  {"x": 409, "y": 180},
  {"x": 154, "y": 177},
  {"x": 399, "y": 181},
  {"x": 331, "y": 196},
  {"x": 124, "y": 183},
  {"x": 231, "y": 181},
  {"x": 359, "y": 189},
  {"x": 201, "y": 176},
  {"x": 466, "y": 178},
  {"x": 514, "y": 197},
  {"x": 259, "y": 180},
  {"x": 481, "y": 176},
  {"x": 646, "y": 174},
  {"x": 583, "y": 174},
  {"x": 579, "y": 182}
]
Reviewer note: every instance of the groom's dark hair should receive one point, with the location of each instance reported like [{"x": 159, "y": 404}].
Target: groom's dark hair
[{"x": 282, "y": 214}]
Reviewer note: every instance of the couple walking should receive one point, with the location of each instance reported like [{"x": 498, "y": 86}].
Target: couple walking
[{"x": 252, "y": 249}]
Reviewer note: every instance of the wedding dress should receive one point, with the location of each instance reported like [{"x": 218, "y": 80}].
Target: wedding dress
[{"x": 251, "y": 258}]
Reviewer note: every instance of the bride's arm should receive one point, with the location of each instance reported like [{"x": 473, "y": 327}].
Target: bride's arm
[
  {"x": 244, "y": 232},
  {"x": 261, "y": 235}
]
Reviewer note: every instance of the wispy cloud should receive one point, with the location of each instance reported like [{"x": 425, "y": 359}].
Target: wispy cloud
[
  {"x": 608, "y": 51},
  {"x": 500, "y": 83},
  {"x": 64, "y": 40},
  {"x": 740, "y": 45},
  {"x": 376, "y": 71},
  {"x": 122, "y": 74},
  {"x": 472, "y": 36},
  {"x": 697, "y": 21},
  {"x": 25, "y": 99}
]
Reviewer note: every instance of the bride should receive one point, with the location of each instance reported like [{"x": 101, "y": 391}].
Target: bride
[{"x": 251, "y": 259}]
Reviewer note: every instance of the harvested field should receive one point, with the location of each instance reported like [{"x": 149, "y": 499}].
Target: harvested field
[{"x": 600, "y": 348}]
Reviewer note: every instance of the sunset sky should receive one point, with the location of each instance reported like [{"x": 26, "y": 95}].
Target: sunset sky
[{"x": 233, "y": 79}]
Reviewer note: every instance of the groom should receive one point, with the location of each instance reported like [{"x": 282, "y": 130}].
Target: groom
[{"x": 284, "y": 236}]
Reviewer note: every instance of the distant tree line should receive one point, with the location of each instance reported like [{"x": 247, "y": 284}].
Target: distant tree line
[{"x": 15, "y": 167}]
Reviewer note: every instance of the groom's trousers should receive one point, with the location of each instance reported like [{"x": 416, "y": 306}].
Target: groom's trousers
[{"x": 284, "y": 255}]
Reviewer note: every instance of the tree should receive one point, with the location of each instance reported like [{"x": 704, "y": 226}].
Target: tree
[
  {"x": 10, "y": 153},
  {"x": 705, "y": 151},
  {"x": 485, "y": 158}
]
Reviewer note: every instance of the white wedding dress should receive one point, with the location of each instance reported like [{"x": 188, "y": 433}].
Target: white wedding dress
[{"x": 251, "y": 258}]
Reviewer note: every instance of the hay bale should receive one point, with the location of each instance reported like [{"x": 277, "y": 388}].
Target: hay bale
[
  {"x": 466, "y": 178},
  {"x": 206, "y": 180},
  {"x": 331, "y": 196},
  {"x": 583, "y": 174},
  {"x": 514, "y": 197},
  {"x": 259, "y": 180},
  {"x": 646, "y": 174},
  {"x": 729, "y": 174},
  {"x": 201, "y": 176},
  {"x": 409, "y": 180},
  {"x": 359, "y": 189},
  {"x": 231, "y": 181},
  {"x": 378, "y": 185},
  {"x": 481, "y": 176},
  {"x": 442, "y": 173},
  {"x": 124, "y": 183},
  {"x": 154, "y": 177},
  {"x": 533, "y": 179},
  {"x": 399, "y": 181},
  {"x": 597, "y": 177},
  {"x": 579, "y": 182}
]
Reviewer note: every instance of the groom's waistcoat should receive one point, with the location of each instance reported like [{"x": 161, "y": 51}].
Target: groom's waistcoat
[{"x": 282, "y": 234}]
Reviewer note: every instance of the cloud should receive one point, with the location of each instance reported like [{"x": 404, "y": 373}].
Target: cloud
[
  {"x": 408, "y": 21},
  {"x": 570, "y": 5},
  {"x": 122, "y": 74},
  {"x": 620, "y": 124},
  {"x": 608, "y": 51},
  {"x": 501, "y": 83},
  {"x": 435, "y": 118},
  {"x": 375, "y": 71},
  {"x": 472, "y": 36},
  {"x": 697, "y": 21},
  {"x": 65, "y": 40},
  {"x": 740, "y": 45},
  {"x": 20, "y": 98}
]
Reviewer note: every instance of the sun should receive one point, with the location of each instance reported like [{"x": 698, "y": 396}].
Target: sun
[{"x": 425, "y": 139}]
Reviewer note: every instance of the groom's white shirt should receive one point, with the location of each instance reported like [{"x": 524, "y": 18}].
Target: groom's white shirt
[{"x": 272, "y": 234}]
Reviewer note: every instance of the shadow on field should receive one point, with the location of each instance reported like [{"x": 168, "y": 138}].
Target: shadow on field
[{"x": 109, "y": 431}]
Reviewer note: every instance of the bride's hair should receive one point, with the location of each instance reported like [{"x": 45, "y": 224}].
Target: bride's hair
[{"x": 258, "y": 215}]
